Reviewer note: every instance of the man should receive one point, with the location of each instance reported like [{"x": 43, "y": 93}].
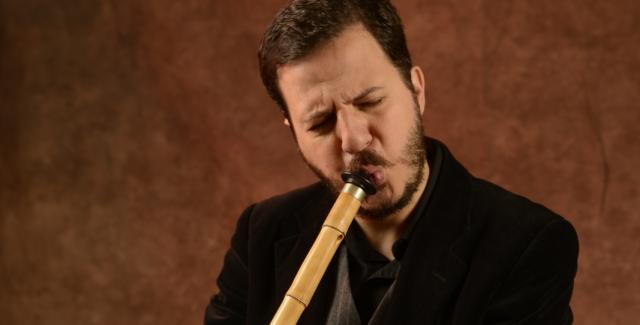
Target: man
[{"x": 434, "y": 245}]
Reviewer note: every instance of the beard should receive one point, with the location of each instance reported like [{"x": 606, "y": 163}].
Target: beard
[{"x": 413, "y": 156}]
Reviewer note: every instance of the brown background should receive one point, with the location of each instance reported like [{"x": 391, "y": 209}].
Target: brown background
[{"x": 133, "y": 133}]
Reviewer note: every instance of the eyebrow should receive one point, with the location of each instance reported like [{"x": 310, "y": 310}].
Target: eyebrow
[
  {"x": 317, "y": 112},
  {"x": 364, "y": 93}
]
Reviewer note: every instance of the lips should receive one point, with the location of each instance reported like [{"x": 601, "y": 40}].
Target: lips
[{"x": 375, "y": 174}]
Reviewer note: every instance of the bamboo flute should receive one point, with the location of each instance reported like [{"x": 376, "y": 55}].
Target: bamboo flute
[{"x": 333, "y": 230}]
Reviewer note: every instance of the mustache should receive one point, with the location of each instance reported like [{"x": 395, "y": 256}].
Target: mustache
[{"x": 367, "y": 157}]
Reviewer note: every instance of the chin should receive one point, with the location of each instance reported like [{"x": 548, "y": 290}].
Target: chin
[{"x": 376, "y": 208}]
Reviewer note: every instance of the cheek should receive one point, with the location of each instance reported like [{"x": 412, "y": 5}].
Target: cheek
[
  {"x": 322, "y": 154},
  {"x": 394, "y": 131}
]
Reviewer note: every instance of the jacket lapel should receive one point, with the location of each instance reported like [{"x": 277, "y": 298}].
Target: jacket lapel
[{"x": 433, "y": 268}]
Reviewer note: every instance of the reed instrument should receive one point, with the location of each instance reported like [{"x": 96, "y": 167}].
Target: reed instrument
[{"x": 333, "y": 230}]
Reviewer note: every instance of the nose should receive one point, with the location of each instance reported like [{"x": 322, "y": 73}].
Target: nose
[{"x": 352, "y": 129}]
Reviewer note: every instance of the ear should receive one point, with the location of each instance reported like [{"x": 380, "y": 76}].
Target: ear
[
  {"x": 287, "y": 122},
  {"x": 417, "y": 80}
]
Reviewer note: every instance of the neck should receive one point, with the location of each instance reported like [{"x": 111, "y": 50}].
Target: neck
[{"x": 382, "y": 233}]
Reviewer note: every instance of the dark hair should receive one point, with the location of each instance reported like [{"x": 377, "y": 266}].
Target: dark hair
[{"x": 303, "y": 25}]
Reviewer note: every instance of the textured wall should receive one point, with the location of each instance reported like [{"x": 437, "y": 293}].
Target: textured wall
[{"x": 133, "y": 133}]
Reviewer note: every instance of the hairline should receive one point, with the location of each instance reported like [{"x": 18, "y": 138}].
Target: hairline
[{"x": 353, "y": 23}]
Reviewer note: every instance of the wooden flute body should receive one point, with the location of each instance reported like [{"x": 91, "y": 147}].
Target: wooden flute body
[{"x": 317, "y": 260}]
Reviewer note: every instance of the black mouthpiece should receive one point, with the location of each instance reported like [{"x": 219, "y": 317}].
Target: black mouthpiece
[{"x": 360, "y": 181}]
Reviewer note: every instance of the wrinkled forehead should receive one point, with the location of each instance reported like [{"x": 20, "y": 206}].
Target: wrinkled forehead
[{"x": 339, "y": 68}]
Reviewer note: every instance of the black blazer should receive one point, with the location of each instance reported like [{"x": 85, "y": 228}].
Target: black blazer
[{"x": 479, "y": 255}]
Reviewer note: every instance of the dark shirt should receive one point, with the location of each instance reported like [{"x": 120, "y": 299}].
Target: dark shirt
[{"x": 371, "y": 273}]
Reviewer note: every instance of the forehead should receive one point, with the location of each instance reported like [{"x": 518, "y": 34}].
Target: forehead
[{"x": 342, "y": 67}]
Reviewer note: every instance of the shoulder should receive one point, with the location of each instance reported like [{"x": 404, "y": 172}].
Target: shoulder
[
  {"x": 290, "y": 203},
  {"x": 525, "y": 254},
  {"x": 509, "y": 226},
  {"x": 279, "y": 215},
  {"x": 496, "y": 207}
]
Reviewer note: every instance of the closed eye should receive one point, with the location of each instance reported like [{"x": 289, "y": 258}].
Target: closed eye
[
  {"x": 370, "y": 103},
  {"x": 324, "y": 125}
]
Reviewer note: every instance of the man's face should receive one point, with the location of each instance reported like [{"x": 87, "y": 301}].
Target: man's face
[{"x": 350, "y": 110}]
